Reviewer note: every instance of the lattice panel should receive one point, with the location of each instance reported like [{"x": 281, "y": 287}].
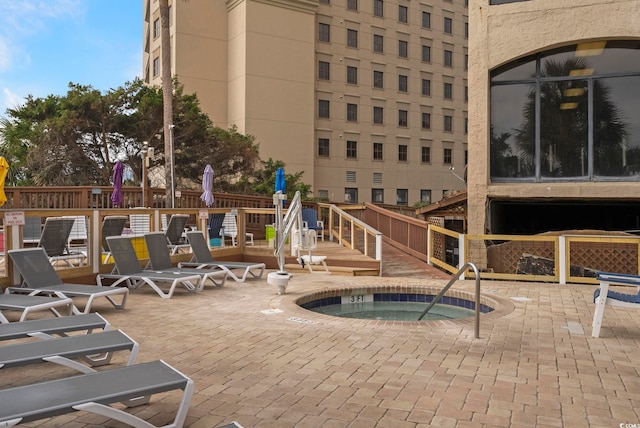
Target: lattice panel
[{"x": 609, "y": 257}]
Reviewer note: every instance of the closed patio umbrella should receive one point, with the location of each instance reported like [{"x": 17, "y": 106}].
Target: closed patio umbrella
[
  {"x": 117, "y": 196},
  {"x": 4, "y": 169},
  {"x": 207, "y": 186}
]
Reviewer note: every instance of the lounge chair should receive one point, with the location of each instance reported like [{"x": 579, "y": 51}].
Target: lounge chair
[
  {"x": 215, "y": 230},
  {"x": 94, "y": 392},
  {"x": 310, "y": 221},
  {"x": 79, "y": 234},
  {"x": 202, "y": 259},
  {"x": 112, "y": 225},
  {"x": 174, "y": 233},
  {"x": 54, "y": 240},
  {"x": 128, "y": 272},
  {"x": 47, "y": 327},
  {"x": 39, "y": 277},
  {"x": 94, "y": 349},
  {"x": 160, "y": 261},
  {"x": 603, "y": 296},
  {"x": 139, "y": 224},
  {"x": 32, "y": 230},
  {"x": 26, "y": 304},
  {"x": 230, "y": 230}
]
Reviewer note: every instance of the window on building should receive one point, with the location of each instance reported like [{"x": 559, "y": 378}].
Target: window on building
[
  {"x": 425, "y": 154},
  {"x": 448, "y": 123},
  {"x": 426, "y": 53},
  {"x": 377, "y": 178},
  {"x": 352, "y": 4},
  {"x": 466, "y": 93},
  {"x": 323, "y": 109},
  {"x": 403, "y": 83},
  {"x": 377, "y": 151},
  {"x": 156, "y": 66},
  {"x": 403, "y": 48},
  {"x": 448, "y": 156},
  {"x": 324, "y": 32},
  {"x": 425, "y": 196},
  {"x": 156, "y": 28},
  {"x": 426, "y": 120},
  {"x": 403, "y": 118},
  {"x": 466, "y": 61},
  {"x": 402, "y": 197},
  {"x": 466, "y": 30},
  {"x": 402, "y": 153},
  {"x": 593, "y": 147},
  {"x": 426, "y": 87},
  {"x": 377, "y": 196},
  {"x": 466, "y": 125},
  {"x": 351, "y": 195},
  {"x": 426, "y": 20},
  {"x": 323, "y": 70},
  {"x": 351, "y": 177},
  {"x": 352, "y": 75},
  {"x": 378, "y": 115},
  {"x": 325, "y": 1},
  {"x": 352, "y": 112},
  {"x": 323, "y": 147},
  {"x": 352, "y": 149},
  {"x": 403, "y": 14},
  {"x": 448, "y": 91},
  {"x": 378, "y": 79},
  {"x": 323, "y": 195},
  {"x": 378, "y": 43},
  {"x": 378, "y": 8},
  {"x": 352, "y": 38},
  {"x": 448, "y": 58},
  {"x": 448, "y": 25}
]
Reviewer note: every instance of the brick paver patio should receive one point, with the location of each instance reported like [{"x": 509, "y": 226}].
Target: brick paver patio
[{"x": 258, "y": 359}]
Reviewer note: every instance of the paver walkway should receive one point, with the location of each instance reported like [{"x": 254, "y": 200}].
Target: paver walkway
[{"x": 259, "y": 359}]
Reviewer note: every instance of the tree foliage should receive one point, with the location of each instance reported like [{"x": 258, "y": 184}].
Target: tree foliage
[{"x": 76, "y": 138}]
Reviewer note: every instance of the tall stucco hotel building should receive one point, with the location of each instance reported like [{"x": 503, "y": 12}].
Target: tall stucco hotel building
[
  {"x": 554, "y": 115},
  {"x": 367, "y": 97}
]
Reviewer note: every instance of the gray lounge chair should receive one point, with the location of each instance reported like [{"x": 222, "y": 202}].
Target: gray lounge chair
[
  {"x": 95, "y": 349},
  {"x": 46, "y": 328},
  {"x": 112, "y": 225},
  {"x": 26, "y": 304},
  {"x": 202, "y": 259},
  {"x": 132, "y": 385},
  {"x": 32, "y": 230},
  {"x": 39, "y": 277},
  {"x": 174, "y": 233},
  {"x": 54, "y": 240},
  {"x": 160, "y": 260},
  {"x": 128, "y": 272}
]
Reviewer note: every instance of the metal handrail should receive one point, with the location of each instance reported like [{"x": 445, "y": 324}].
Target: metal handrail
[{"x": 449, "y": 284}]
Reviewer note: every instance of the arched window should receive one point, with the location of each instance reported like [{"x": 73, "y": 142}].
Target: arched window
[{"x": 568, "y": 114}]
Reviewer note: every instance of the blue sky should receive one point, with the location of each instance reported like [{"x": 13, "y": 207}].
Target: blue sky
[{"x": 45, "y": 44}]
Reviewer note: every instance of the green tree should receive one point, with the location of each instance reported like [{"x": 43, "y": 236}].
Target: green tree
[{"x": 264, "y": 180}]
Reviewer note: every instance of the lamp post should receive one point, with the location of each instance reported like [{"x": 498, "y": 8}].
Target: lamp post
[
  {"x": 173, "y": 167},
  {"x": 144, "y": 155}
]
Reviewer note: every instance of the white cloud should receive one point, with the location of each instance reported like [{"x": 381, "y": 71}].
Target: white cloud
[{"x": 10, "y": 99}]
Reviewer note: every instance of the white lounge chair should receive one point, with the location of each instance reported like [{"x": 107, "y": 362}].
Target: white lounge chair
[
  {"x": 26, "y": 304},
  {"x": 202, "y": 259},
  {"x": 54, "y": 240},
  {"x": 174, "y": 232},
  {"x": 230, "y": 230},
  {"x": 40, "y": 278},
  {"x": 94, "y": 392},
  {"x": 603, "y": 296},
  {"x": 128, "y": 271}
]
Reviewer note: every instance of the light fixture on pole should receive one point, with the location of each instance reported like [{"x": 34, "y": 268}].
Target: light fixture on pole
[
  {"x": 144, "y": 152},
  {"x": 173, "y": 187}
]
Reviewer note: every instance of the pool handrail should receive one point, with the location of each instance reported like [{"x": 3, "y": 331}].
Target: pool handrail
[{"x": 460, "y": 272}]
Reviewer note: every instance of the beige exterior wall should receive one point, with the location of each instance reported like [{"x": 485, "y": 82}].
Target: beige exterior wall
[
  {"x": 254, "y": 64},
  {"x": 502, "y": 33}
]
